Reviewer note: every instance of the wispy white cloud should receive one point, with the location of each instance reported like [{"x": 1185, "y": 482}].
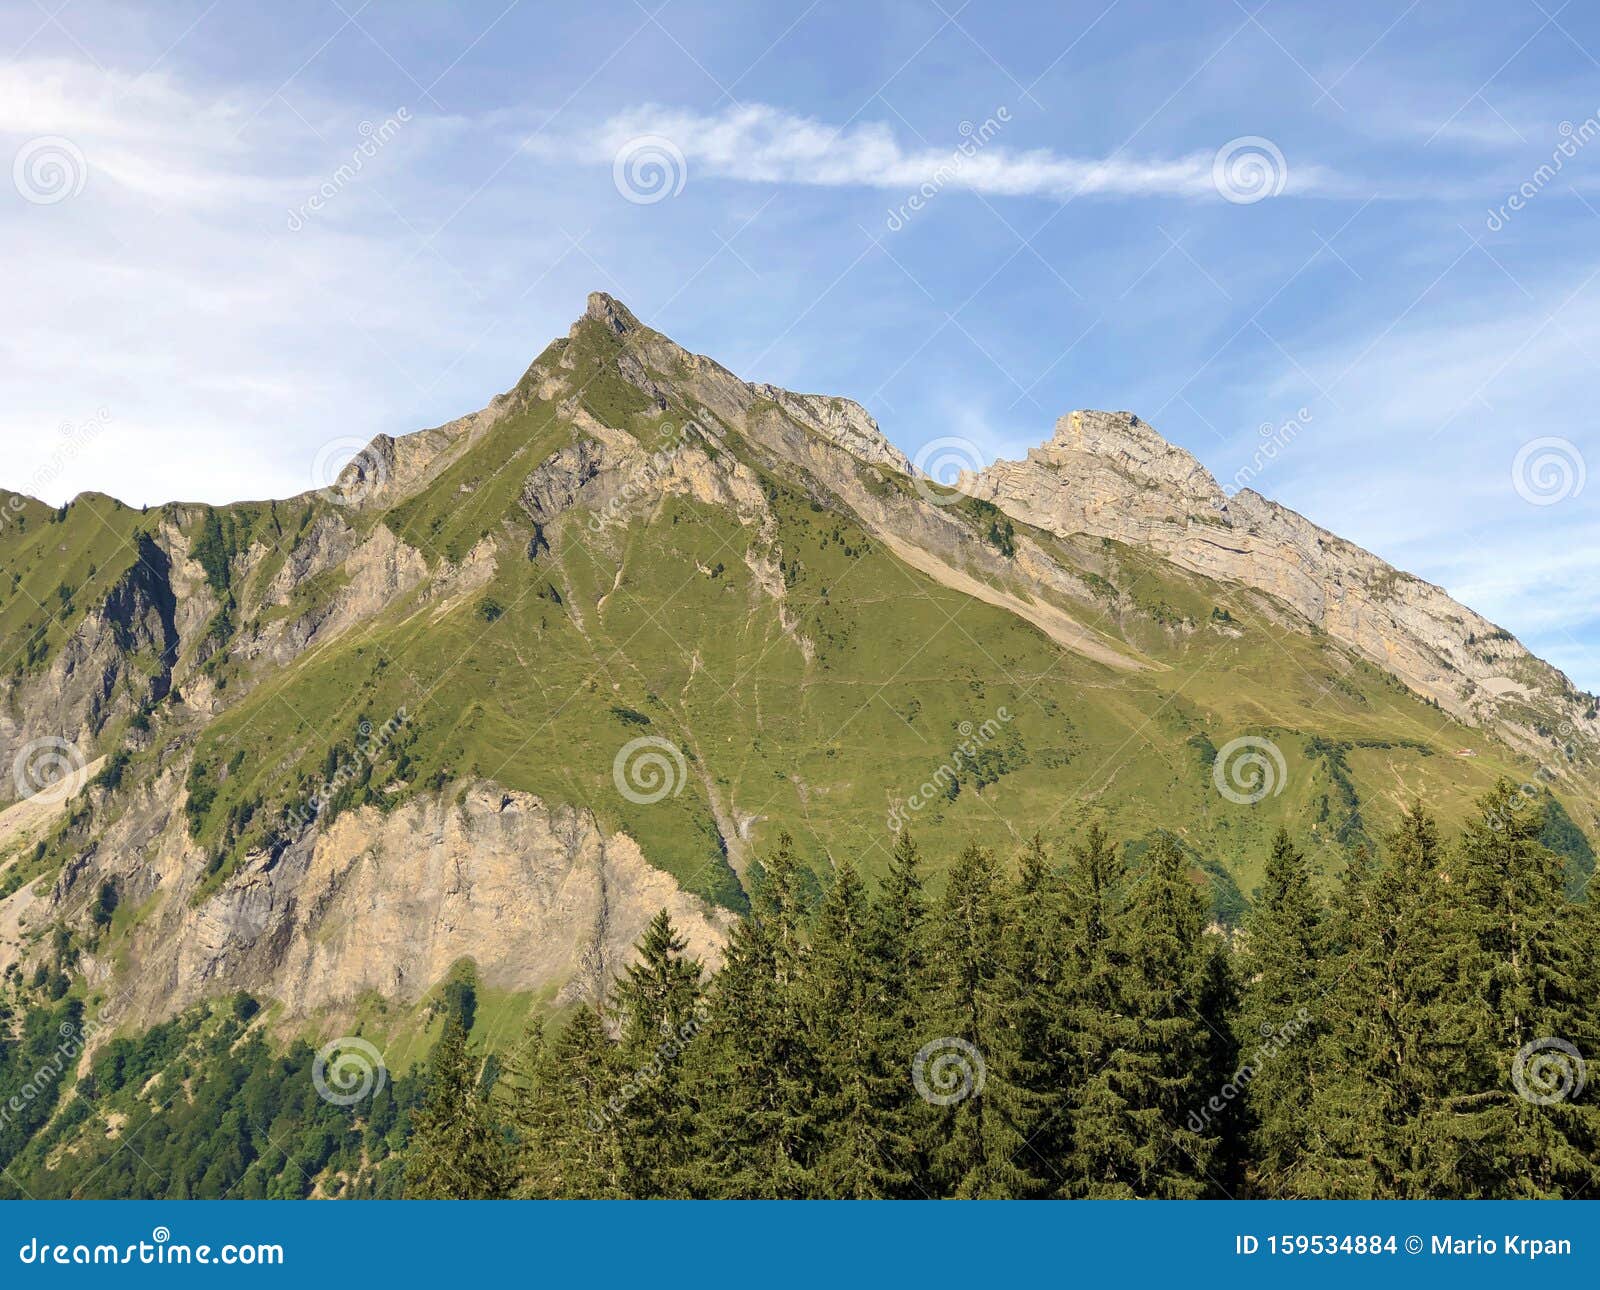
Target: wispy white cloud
[
  {"x": 169, "y": 304},
  {"x": 758, "y": 143}
]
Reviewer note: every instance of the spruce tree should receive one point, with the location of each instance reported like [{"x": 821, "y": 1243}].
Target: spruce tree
[
  {"x": 529, "y": 1109},
  {"x": 457, "y": 1152},
  {"x": 1434, "y": 1025},
  {"x": 1218, "y": 1006},
  {"x": 1037, "y": 946},
  {"x": 1339, "y": 1145},
  {"x": 864, "y": 1149},
  {"x": 658, "y": 1009},
  {"x": 1416, "y": 1098},
  {"x": 972, "y": 1057},
  {"x": 1162, "y": 1077},
  {"x": 1284, "y": 942},
  {"x": 582, "y": 1119},
  {"x": 755, "y": 1071},
  {"x": 899, "y": 929},
  {"x": 1095, "y": 1022},
  {"x": 899, "y": 955},
  {"x": 1522, "y": 1132}
]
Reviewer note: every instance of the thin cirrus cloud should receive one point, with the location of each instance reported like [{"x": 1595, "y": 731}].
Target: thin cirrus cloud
[{"x": 759, "y": 143}]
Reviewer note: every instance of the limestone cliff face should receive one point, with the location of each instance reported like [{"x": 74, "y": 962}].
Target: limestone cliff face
[
  {"x": 539, "y": 897},
  {"x": 537, "y": 892},
  {"x": 1108, "y": 474},
  {"x": 846, "y": 423},
  {"x": 119, "y": 658}
]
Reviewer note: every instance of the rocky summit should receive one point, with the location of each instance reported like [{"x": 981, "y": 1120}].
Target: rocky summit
[{"x": 515, "y": 683}]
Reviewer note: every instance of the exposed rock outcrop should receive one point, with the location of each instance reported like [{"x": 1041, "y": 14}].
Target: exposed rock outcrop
[
  {"x": 1108, "y": 474},
  {"x": 534, "y": 889},
  {"x": 539, "y": 897},
  {"x": 118, "y": 660}
]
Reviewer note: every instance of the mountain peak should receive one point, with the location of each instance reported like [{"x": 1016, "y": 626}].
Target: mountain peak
[
  {"x": 610, "y": 313},
  {"x": 841, "y": 420},
  {"x": 1087, "y": 440}
]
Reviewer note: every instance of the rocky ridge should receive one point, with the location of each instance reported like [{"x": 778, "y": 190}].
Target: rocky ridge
[
  {"x": 538, "y": 891},
  {"x": 1110, "y": 475}
]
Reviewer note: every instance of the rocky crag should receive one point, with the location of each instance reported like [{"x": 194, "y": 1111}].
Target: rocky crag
[{"x": 514, "y": 683}]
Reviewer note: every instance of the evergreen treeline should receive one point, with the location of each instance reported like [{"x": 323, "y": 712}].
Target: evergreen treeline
[
  {"x": 1073, "y": 1029},
  {"x": 201, "y": 1107}
]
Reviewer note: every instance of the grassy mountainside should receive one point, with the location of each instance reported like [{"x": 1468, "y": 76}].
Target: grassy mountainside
[{"x": 632, "y": 549}]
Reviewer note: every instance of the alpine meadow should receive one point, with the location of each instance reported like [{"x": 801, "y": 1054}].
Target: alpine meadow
[{"x": 657, "y": 785}]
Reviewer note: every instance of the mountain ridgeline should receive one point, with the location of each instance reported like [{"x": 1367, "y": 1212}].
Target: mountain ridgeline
[{"x": 507, "y": 688}]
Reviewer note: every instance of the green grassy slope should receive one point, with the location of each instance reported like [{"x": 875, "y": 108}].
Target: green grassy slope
[{"x": 821, "y": 726}]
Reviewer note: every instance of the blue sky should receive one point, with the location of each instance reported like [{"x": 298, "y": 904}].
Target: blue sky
[{"x": 205, "y": 307}]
